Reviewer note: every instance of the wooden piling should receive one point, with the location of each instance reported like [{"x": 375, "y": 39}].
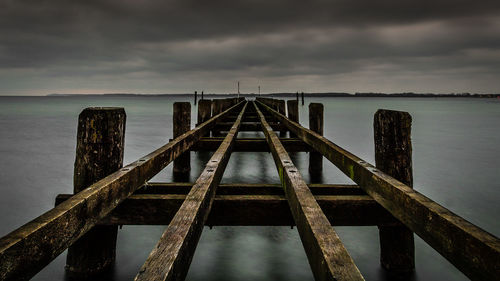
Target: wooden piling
[
  {"x": 204, "y": 111},
  {"x": 182, "y": 124},
  {"x": 302, "y": 98},
  {"x": 316, "y": 125},
  {"x": 201, "y": 95},
  {"x": 393, "y": 155},
  {"x": 282, "y": 109},
  {"x": 293, "y": 112},
  {"x": 99, "y": 152},
  {"x": 217, "y": 105},
  {"x": 195, "y": 97},
  {"x": 297, "y": 97}
]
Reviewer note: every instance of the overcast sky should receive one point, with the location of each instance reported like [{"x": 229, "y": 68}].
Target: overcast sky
[{"x": 148, "y": 46}]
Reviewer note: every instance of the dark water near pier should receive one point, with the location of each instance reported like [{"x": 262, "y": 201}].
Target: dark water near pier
[{"x": 456, "y": 145}]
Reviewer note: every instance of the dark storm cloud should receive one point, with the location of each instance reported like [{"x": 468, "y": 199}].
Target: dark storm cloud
[{"x": 149, "y": 45}]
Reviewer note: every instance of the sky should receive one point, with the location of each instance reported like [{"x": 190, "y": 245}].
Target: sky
[{"x": 179, "y": 46}]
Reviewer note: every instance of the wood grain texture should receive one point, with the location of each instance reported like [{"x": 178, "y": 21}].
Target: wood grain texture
[
  {"x": 26, "y": 250},
  {"x": 393, "y": 156},
  {"x": 181, "y": 123},
  {"x": 328, "y": 258},
  {"x": 470, "y": 249},
  {"x": 99, "y": 152},
  {"x": 316, "y": 124},
  {"x": 171, "y": 257}
]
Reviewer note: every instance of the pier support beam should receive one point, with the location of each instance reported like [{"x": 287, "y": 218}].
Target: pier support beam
[
  {"x": 99, "y": 152},
  {"x": 316, "y": 125},
  {"x": 393, "y": 156},
  {"x": 182, "y": 124},
  {"x": 195, "y": 97},
  {"x": 302, "y": 98}
]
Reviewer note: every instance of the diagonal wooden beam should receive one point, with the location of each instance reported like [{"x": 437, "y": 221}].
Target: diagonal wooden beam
[
  {"x": 327, "y": 255},
  {"x": 171, "y": 257},
  {"x": 470, "y": 249},
  {"x": 26, "y": 250}
]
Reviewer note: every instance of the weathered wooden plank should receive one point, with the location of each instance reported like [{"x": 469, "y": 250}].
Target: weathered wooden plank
[
  {"x": 171, "y": 257},
  {"x": 472, "y": 250},
  {"x": 248, "y": 209},
  {"x": 251, "y": 145},
  {"x": 327, "y": 255},
  {"x": 29, "y": 248},
  {"x": 249, "y": 189}
]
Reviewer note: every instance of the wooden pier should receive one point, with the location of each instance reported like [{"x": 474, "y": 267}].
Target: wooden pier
[{"x": 106, "y": 195}]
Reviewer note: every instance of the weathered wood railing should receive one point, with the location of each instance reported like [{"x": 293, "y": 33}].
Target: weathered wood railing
[{"x": 79, "y": 221}]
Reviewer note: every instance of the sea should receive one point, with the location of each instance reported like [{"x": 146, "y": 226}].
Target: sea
[{"x": 456, "y": 162}]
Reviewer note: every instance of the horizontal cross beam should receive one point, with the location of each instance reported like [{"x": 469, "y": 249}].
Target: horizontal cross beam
[
  {"x": 245, "y": 210},
  {"x": 251, "y": 145}
]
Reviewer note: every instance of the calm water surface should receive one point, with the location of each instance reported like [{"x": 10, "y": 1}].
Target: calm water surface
[{"x": 456, "y": 149}]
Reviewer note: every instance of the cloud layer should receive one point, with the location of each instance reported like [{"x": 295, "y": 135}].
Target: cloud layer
[{"x": 154, "y": 46}]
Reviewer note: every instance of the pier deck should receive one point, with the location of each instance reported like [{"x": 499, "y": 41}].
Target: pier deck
[{"x": 107, "y": 196}]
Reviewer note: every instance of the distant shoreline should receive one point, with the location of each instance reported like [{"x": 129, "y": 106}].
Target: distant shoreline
[{"x": 364, "y": 95}]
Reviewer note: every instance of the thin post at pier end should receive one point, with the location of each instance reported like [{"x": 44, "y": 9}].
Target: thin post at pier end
[
  {"x": 99, "y": 152},
  {"x": 393, "y": 156}
]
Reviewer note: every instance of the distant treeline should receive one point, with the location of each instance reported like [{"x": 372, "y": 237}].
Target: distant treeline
[
  {"x": 383, "y": 95},
  {"x": 330, "y": 94}
]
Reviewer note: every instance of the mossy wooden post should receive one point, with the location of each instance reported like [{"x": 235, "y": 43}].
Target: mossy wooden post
[
  {"x": 316, "y": 125},
  {"x": 393, "y": 153},
  {"x": 99, "y": 152},
  {"x": 195, "y": 97},
  {"x": 182, "y": 124},
  {"x": 293, "y": 111}
]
